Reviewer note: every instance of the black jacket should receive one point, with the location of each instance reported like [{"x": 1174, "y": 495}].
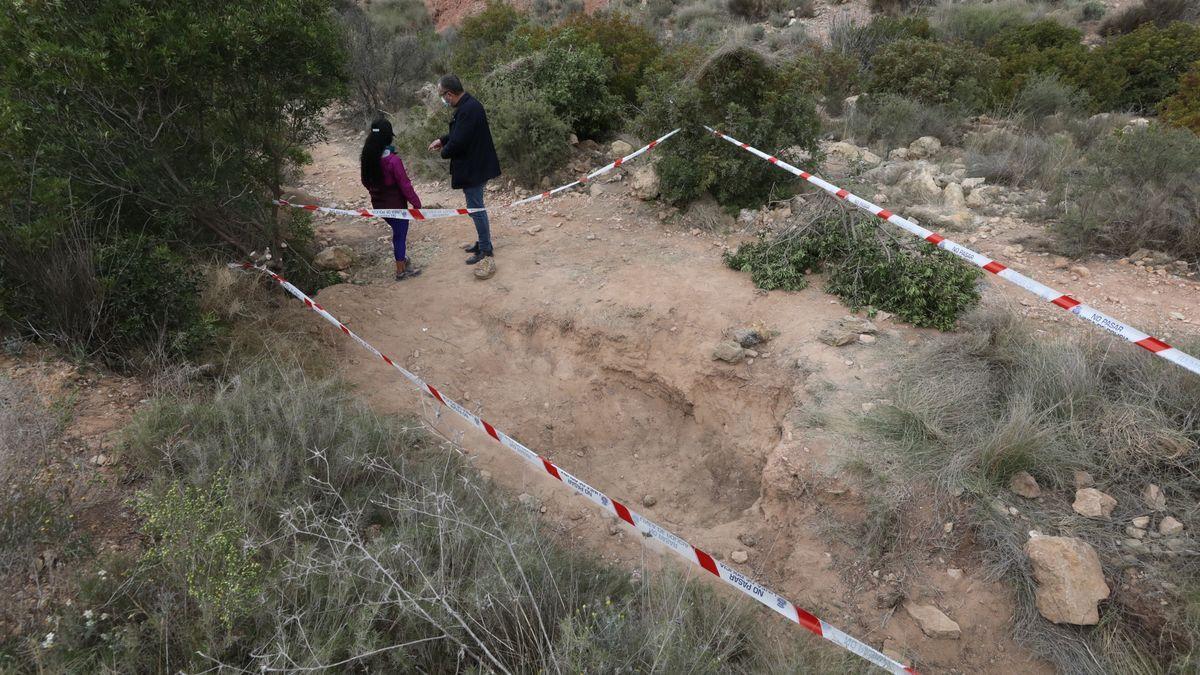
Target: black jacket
[{"x": 469, "y": 146}]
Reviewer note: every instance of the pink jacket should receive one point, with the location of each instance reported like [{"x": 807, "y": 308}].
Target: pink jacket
[{"x": 397, "y": 191}]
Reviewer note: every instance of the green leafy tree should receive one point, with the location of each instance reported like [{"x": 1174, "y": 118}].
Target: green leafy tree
[
  {"x": 1183, "y": 109},
  {"x": 168, "y": 123},
  {"x": 934, "y": 73},
  {"x": 1153, "y": 60}
]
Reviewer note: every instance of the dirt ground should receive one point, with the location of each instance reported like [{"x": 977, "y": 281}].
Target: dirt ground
[{"x": 593, "y": 345}]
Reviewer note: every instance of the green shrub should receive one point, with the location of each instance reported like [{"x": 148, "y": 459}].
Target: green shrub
[
  {"x": 486, "y": 40},
  {"x": 531, "y": 137},
  {"x": 1047, "y": 48},
  {"x": 1153, "y": 59},
  {"x": 972, "y": 408},
  {"x": 978, "y": 22},
  {"x": 1161, "y": 13},
  {"x": 631, "y": 48},
  {"x": 1092, "y": 10},
  {"x": 1046, "y": 95},
  {"x": 345, "y": 540},
  {"x": 199, "y": 538},
  {"x": 187, "y": 118},
  {"x": 934, "y": 73},
  {"x": 742, "y": 93},
  {"x": 890, "y": 121},
  {"x": 572, "y": 78},
  {"x": 900, "y": 6},
  {"x": 1021, "y": 159},
  {"x": 1183, "y": 109},
  {"x": 1138, "y": 189},
  {"x": 753, "y": 10},
  {"x": 865, "y": 265},
  {"x": 861, "y": 42}
]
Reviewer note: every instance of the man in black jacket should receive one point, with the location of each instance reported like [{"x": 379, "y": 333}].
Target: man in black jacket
[{"x": 472, "y": 156}]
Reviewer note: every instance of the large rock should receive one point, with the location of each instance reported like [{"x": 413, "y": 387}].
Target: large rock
[
  {"x": 1069, "y": 578},
  {"x": 923, "y": 147},
  {"x": 645, "y": 183},
  {"x": 933, "y": 621},
  {"x": 748, "y": 337},
  {"x": 336, "y": 258},
  {"x": 1092, "y": 503},
  {"x": 1025, "y": 485},
  {"x": 842, "y": 157},
  {"x": 953, "y": 197},
  {"x": 919, "y": 185},
  {"x": 620, "y": 149}
]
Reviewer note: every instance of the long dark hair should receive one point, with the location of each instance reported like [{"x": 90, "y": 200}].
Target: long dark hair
[{"x": 377, "y": 141}]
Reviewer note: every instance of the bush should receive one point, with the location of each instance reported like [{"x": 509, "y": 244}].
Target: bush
[
  {"x": 1046, "y": 95},
  {"x": 486, "y": 40},
  {"x": 934, "y": 73},
  {"x": 1161, "y": 13},
  {"x": 172, "y": 144},
  {"x": 890, "y": 121},
  {"x": 1183, "y": 109},
  {"x": 753, "y": 10},
  {"x": 1153, "y": 59},
  {"x": 387, "y": 59},
  {"x": 1093, "y": 10},
  {"x": 1138, "y": 189},
  {"x": 900, "y": 6},
  {"x": 739, "y": 91},
  {"x": 862, "y": 42},
  {"x": 572, "y": 78},
  {"x": 530, "y": 136},
  {"x": 976, "y": 23},
  {"x": 866, "y": 266},
  {"x": 366, "y": 544},
  {"x": 971, "y": 409},
  {"x": 629, "y": 46},
  {"x": 1020, "y": 159},
  {"x": 1041, "y": 48}
]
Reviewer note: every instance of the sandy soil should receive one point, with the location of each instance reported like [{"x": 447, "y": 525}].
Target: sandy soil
[{"x": 593, "y": 343}]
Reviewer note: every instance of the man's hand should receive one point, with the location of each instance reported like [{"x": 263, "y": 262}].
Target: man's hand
[{"x": 436, "y": 145}]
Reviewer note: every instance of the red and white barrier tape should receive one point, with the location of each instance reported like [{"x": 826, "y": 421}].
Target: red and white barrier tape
[
  {"x": 648, "y": 528},
  {"x": 427, "y": 214},
  {"x": 1062, "y": 300}
]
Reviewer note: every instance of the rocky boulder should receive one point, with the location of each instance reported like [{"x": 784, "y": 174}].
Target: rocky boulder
[
  {"x": 924, "y": 147},
  {"x": 919, "y": 185},
  {"x": 620, "y": 149},
  {"x": 729, "y": 352},
  {"x": 335, "y": 258},
  {"x": 644, "y": 183},
  {"x": 1069, "y": 579},
  {"x": 1092, "y": 503},
  {"x": 841, "y": 157}
]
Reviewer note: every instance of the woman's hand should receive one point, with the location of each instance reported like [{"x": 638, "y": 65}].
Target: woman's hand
[{"x": 436, "y": 145}]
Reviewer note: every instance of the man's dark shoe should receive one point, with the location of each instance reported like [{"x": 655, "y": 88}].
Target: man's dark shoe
[
  {"x": 472, "y": 248},
  {"x": 477, "y": 257}
]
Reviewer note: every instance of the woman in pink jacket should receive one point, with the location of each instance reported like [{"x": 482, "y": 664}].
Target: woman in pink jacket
[{"x": 384, "y": 177}]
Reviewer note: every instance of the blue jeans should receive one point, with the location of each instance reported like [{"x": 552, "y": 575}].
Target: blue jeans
[
  {"x": 482, "y": 229},
  {"x": 399, "y": 236}
]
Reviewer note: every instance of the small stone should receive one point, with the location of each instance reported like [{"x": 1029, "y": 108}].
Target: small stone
[
  {"x": 933, "y": 621},
  {"x": 1169, "y": 526},
  {"x": 1135, "y": 532},
  {"x": 620, "y": 149},
  {"x": 590, "y": 237},
  {"x": 837, "y": 337},
  {"x": 1081, "y": 271},
  {"x": 1178, "y": 317},
  {"x": 748, "y": 539},
  {"x": 1175, "y": 544},
  {"x": 527, "y": 500},
  {"x": 747, "y": 337},
  {"x": 948, "y": 528},
  {"x": 1092, "y": 503},
  {"x": 485, "y": 476},
  {"x": 740, "y": 557},
  {"x": 998, "y": 507},
  {"x": 751, "y": 353},
  {"x": 1154, "y": 497},
  {"x": 1025, "y": 485},
  {"x": 1083, "y": 479},
  {"x": 534, "y": 230},
  {"x": 866, "y": 339},
  {"x": 649, "y": 500},
  {"x": 729, "y": 352},
  {"x": 954, "y": 573},
  {"x": 1141, "y": 521}
]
